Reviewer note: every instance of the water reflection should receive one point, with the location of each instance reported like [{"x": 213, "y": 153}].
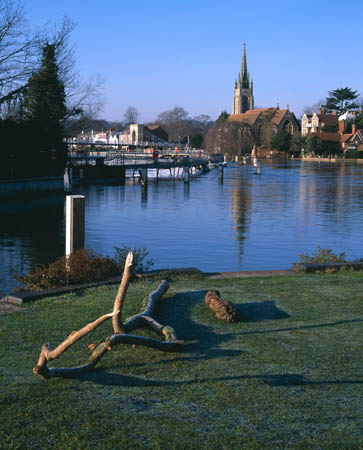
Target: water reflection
[
  {"x": 247, "y": 223},
  {"x": 241, "y": 210},
  {"x": 144, "y": 191},
  {"x": 31, "y": 233}
]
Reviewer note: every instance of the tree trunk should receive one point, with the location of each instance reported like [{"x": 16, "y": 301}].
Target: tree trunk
[{"x": 224, "y": 309}]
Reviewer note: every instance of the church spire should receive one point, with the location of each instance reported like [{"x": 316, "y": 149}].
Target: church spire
[
  {"x": 243, "y": 89},
  {"x": 244, "y": 73}
]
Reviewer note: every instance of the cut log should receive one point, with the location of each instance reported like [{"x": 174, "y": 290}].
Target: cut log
[{"x": 224, "y": 309}]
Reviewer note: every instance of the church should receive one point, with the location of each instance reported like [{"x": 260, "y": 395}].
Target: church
[{"x": 243, "y": 106}]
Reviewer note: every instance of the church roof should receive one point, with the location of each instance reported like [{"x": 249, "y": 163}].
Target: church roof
[
  {"x": 249, "y": 117},
  {"x": 278, "y": 114}
]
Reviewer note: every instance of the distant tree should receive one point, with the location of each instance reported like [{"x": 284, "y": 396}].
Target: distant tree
[
  {"x": 315, "y": 108},
  {"x": 359, "y": 122},
  {"x": 203, "y": 118},
  {"x": 177, "y": 114},
  {"x": 131, "y": 115},
  {"x": 72, "y": 127},
  {"x": 234, "y": 138},
  {"x": 179, "y": 125},
  {"x": 341, "y": 99},
  {"x": 196, "y": 141},
  {"x": 281, "y": 140},
  {"x": 297, "y": 143},
  {"x": 313, "y": 145},
  {"x": 223, "y": 116}
]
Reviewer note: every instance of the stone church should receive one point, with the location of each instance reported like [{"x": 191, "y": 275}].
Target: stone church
[{"x": 243, "y": 107}]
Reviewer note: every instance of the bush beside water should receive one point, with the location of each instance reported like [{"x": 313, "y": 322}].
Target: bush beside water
[{"x": 83, "y": 266}]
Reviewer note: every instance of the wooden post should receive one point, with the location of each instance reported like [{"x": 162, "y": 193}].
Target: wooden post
[
  {"x": 75, "y": 207},
  {"x": 186, "y": 174},
  {"x": 143, "y": 176},
  {"x": 220, "y": 173}
]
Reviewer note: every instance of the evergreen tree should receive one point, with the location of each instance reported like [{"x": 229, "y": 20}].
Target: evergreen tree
[
  {"x": 223, "y": 116},
  {"x": 281, "y": 140},
  {"x": 44, "y": 108},
  {"x": 341, "y": 99}
]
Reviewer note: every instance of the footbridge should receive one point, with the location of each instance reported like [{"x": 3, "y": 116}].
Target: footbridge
[{"x": 113, "y": 163}]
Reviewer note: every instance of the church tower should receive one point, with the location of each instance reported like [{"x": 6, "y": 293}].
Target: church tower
[{"x": 243, "y": 89}]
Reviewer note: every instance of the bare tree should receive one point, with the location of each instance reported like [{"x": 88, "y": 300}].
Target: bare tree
[
  {"x": 18, "y": 50},
  {"x": 20, "y": 56},
  {"x": 177, "y": 114},
  {"x": 234, "y": 138},
  {"x": 82, "y": 97},
  {"x": 315, "y": 108},
  {"x": 131, "y": 115}
]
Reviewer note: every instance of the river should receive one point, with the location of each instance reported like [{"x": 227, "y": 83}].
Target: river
[{"x": 250, "y": 222}]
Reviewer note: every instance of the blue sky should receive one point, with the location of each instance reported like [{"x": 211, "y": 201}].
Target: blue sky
[{"x": 157, "y": 54}]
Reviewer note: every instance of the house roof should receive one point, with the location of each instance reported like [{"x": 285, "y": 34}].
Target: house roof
[
  {"x": 346, "y": 137},
  {"x": 328, "y": 119},
  {"x": 328, "y": 137}
]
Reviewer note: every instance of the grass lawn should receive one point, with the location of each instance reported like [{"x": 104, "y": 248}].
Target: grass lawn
[{"x": 288, "y": 375}]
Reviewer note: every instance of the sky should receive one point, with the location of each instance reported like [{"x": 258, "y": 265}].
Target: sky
[{"x": 154, "y": 55}]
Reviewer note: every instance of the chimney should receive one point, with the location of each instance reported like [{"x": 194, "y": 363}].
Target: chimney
[
  {"x": 323, "y": 110},
  {"x": 334, "y": 113},
  {"x": 353, "y": 128}
]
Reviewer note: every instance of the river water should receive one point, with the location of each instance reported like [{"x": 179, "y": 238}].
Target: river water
[{"x": 250, "y": 222}]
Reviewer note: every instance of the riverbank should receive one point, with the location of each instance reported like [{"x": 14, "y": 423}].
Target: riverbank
[{"x": 286, "y": 375}]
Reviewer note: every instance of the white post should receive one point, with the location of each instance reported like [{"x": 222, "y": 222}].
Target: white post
[
  {"x": 67, "y": 184},
  {"x": 75, "y": 214},
  {"x": 258, "y": 169}
]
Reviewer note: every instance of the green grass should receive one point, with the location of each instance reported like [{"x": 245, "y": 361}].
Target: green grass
[{"x": 288, "y": 375}]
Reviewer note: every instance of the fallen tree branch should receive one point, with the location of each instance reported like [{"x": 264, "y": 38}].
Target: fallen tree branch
[
  {"x": 171, "y": 343},
  {"x": 121, "y": 294},
  {"x": 100, "y": 349},
  {"x": 48, "y": 353}
]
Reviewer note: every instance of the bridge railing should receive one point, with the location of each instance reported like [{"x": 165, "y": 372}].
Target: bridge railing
[{"x": 122, "y": 157}]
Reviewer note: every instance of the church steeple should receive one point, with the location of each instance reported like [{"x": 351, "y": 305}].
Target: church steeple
[
  {"x": 244, "y": 72},
  {"x": 243, "y": 90}
]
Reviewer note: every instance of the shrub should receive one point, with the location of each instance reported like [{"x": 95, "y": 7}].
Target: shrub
[
  {"x": 140, "y": 265},
  {"x": 353, "y": 154},
  {"x": 323, "y": 255},
  {"x": 83, "y": 266}
]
